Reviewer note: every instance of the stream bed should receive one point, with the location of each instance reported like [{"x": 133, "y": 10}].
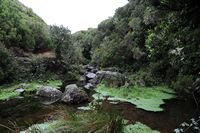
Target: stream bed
[{"x": 24, "y": 112}]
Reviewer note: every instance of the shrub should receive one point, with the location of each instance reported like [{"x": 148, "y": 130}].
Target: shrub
[
  {"x": 142, "y": 78},
  {"x": 7, "y": 64},
  {"x": 21, "y": 27},
  {"x": 183, "y": 83}
]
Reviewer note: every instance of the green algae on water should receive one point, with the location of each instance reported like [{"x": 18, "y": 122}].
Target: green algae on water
[
  {"x": 138, "y": 128},
  {"x": 146, "y": 98}
]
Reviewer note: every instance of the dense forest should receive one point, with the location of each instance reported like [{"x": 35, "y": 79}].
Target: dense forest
[
  {"x": 145, "y": 55},
  {"x": 156, "y": 41}
]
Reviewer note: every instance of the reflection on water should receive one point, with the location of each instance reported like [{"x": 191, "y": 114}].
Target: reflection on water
[{"x": 48, "y": 101}]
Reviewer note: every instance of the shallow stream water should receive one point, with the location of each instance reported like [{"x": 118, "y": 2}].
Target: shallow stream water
[
  {"x": 175, "y": 112},
  {"x": 23, "y": 112}
]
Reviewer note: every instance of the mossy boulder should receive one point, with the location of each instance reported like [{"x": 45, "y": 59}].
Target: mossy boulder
[
  {"x": 74, "y": 95},
  {"x": 47, "y": 91},
  {"x": 111, "y": 79}
]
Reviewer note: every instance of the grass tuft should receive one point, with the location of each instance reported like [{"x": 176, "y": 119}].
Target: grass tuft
[{"x": 89, "y": 121}]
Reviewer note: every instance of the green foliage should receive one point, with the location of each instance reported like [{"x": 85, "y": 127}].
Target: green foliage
[
  {"x": 142, "y": 78},
  {"x": 7, "y": 92},
  {"x": 83, "y": 40},
  {"x": 7, "y": 64},
  {"x": 160, "y": 36},
  {"x": 138, "y": 128},
  {"x": 161, "y": 39},
  {"x": 6, "y": 95},
  {"x": 106, "y": 26},
  {"x": 20, "y": 27},
  {"x": 62, "y": 40},
  {"x": 61, "y": 37},
  {"x": 135, "y": 23},
  {"x": 151, "y": 16},
  {"x": 147, "y": 98},
  {"x": 110, "y": 51},
  {"x": 183, "y": 83},
  {"x": 119, "y": 40},
  {"x": 54, "y": 83},
  {"x": 174, "y": 50}
]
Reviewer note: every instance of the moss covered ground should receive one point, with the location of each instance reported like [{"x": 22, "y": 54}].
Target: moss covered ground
[
  {"x": 146, "y": 98},
  {"x": 138, "y": 128},
  {"x": 8, "y": 91}
]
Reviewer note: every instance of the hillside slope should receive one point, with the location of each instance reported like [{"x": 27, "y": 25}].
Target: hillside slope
[{"x": 20, "y": 27}]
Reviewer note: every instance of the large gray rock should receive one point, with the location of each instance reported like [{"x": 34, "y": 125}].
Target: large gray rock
[
  {"x": 107, "y": 74},
  {"x": 88, "y": 67},
  {"x": 111, "y": 69},
  {"x": 94, "y": 81},
  {"x": 47, "y": 91},
  {"x": 90, "y": 75},
  {"x": 89, "y": 86},
  {"x": 111, "y": 79},
  {"x": 20, "y": 90},
  {"x": 74, "y": 95},
  {"x": 71, "y": 87},
  {"x": 94, "y": 70}
]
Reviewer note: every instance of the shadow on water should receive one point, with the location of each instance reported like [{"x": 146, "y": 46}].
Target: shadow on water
[{"x": 175, "y": 112}]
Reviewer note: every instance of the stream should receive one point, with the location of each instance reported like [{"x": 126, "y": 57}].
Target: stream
[{"x": 24, "y": 112}]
